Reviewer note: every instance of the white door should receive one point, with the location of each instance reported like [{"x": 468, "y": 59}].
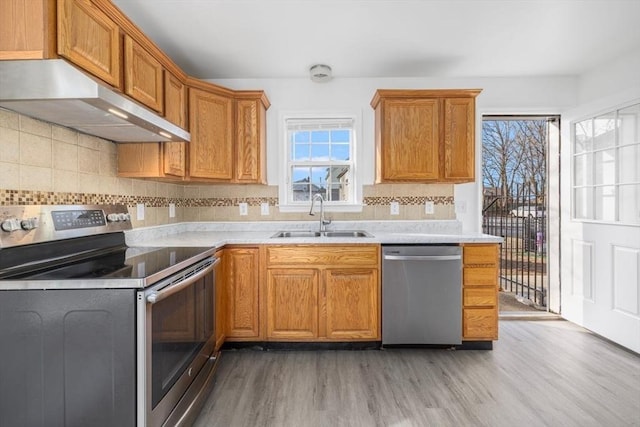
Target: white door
[{"x": 600, "y": 222}]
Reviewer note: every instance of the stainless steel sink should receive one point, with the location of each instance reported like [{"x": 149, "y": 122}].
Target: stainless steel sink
[
  {"x": 296, "y": 234},
  {"x": 302, "y": 233},
  {"x": 347, "y": 233}
]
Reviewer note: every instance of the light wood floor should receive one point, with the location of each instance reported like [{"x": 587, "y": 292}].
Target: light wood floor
[{"x": 540, "y": 373}]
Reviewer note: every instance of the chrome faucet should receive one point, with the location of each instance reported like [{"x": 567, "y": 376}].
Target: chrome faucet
[{"x": 323, "y": 222}]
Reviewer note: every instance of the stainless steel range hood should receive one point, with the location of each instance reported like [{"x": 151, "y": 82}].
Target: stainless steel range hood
[{"x": 57, "y": 92}]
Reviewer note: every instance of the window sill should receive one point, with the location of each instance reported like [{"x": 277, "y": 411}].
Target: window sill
[{"x": 327, "y": 208}]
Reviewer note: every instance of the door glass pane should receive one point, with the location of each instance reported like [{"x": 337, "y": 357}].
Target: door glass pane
[
  {"x": 604, "y": 131},
  {"x": 629, "y": 203},
  {"x": 583, "y": 136},
  {"x": 605, "y": 167},
  {"x": 583, "y": 203},
  {"x": 605, "y": 203},
  {"x": 582, "y": 170},
  {"x": 629, "y": 161},
  {"x": 629, "y": 125}
]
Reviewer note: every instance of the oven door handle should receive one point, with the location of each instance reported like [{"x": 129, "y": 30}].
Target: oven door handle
[{"x": 156, "y": 296}]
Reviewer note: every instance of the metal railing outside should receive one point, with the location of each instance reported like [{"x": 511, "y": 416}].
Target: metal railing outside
[{"x": 521, "y": 219}]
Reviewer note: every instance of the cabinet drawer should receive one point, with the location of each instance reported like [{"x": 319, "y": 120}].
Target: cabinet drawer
[
  {"x": 481, "y": 254},
  {"x": 479, "y": 297},
  {"x": 480, "y": 324},
  {"x": 324, "y": 255},
  {"x": 487, "y": 276}
]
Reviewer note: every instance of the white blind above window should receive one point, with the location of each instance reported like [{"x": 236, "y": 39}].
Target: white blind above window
[{"x": 317, "y": 124}]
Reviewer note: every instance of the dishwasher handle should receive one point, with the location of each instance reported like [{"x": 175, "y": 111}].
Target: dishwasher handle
[{"x": 422, "y": 257}]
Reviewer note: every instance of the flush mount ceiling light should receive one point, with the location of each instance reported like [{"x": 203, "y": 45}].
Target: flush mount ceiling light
[{"x": 320, "y": 73}]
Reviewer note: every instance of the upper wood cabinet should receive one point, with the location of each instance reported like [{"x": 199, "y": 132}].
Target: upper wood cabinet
[
  {"x": 27, "y": 29},
  {"x": 143, "y": 76},
  {"x": 211, "y": 125},
  {"x": 425, "y": 135},
  {"x": 250, "y": 147},
  {"x": 175, "y": 110},
  {"x": 90, "y": 39}
]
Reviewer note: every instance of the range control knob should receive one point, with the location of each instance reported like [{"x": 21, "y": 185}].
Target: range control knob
[
  {"x": 124, "y": 217},
  {"x": 29, "y": 223},
  {"x": 112, "y": 217},
  {"x": 9, "y": 225}
]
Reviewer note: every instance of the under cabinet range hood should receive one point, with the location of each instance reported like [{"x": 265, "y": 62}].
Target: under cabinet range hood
[{"x": 55, "y": 91}]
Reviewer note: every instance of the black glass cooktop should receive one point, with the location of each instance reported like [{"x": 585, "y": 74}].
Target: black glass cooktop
[{"x": 124, "y": 263}]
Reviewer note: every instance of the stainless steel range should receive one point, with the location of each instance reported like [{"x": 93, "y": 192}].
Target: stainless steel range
[{"x": 96, "y": 333}]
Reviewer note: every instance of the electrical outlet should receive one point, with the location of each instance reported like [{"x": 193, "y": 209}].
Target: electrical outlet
[
  {"x": 395, "y": 208},
  {"x": 428, "y": 207},
  {"x": 172, "y": 210},
  {"x": 244, "y": 208},
  {"x": 140, "y": 211},
  {"x": 264, "y": 208}
]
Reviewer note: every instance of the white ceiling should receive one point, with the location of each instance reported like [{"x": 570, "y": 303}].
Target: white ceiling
[{"x": 213, "y": 39}]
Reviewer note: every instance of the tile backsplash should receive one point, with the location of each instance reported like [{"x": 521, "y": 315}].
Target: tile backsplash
[{"x": 42, "y": 163}]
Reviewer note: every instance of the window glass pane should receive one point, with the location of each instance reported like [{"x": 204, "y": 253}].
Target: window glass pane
[
  {"x": 582, "y": 203},
  {"x": 583, "y": 135},
  {"x": 604, "y": 131},
  {"x": 341, "y": 135},
  {"x": 629, "y": 161},
  {"x": 320, "y": 136},
  {"x": 301, "y": 136},
  {"x": 320, "y": 152},
  {"x": 301, "y": 152},
  {"x": 605, "y": 203},
  {"x": 319, "y": 179},
  {"x": 605, "y": 167},
  {"x": 629, "y": 208},
  {"x": 629, "y": 125},
  {"x": 300, "y": 192},
  {"x": 582, "y": 169},
  {"x": 301, "y": 174},
  {"x": 340, "y": 152},
  {"x": 338, "y": 183}
]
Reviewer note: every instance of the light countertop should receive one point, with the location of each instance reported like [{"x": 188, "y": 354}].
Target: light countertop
[{"x": 217, "y": 234}]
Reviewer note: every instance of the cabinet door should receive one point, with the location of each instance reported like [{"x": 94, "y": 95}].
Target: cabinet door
[
  {"x": 459, "y": 140},
  {"x": 139, "y": 160},
  {"x": 292, "y": 304},
  {"x": 143, "y": 76},
  {"x": 250, "y": 141},
  {"x": 175, "y": 110},
  {"x": 26, "y": 30},
  {"x": 410, "y": 138},
  {"x": 243, "y": 313},
  {"x": 90, "y": 39},
  {"x": 352, "y": 304},
  {"x": 211, "y": 125}
]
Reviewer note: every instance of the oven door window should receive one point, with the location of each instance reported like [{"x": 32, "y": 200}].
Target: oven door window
[{"x": 181, "y": 325}]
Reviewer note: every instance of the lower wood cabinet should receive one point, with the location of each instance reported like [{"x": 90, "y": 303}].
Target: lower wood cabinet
[
  {"x": 480, "y": 292},
  {"x": 335, "y": 297},
  {"x": 292, "y": 303},
  {"x": 352, "y": 303},
  {"x": 242, "y": 268}
]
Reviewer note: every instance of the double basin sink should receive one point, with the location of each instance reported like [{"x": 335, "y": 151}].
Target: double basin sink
[{"x": 338, "y": 233}]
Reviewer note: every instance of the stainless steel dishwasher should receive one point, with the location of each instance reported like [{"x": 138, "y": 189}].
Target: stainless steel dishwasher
[{"x": 421, "y": 295}]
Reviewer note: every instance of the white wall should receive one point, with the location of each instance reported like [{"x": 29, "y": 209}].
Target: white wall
[
  {"x": 499, "y": 96},
  {"x": 600, "y": 263}
]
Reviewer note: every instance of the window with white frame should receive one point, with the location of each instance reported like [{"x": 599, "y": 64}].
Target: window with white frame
[
  {"x": 320, "y": 160},
  {"x": 606, "y": 167}
]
